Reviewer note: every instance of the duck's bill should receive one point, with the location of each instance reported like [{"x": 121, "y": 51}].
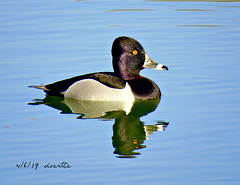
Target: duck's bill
[{"x": 149, "y": 63}]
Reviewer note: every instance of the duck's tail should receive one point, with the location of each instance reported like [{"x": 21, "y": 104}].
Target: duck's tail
[{"x": 39, "y": 87}]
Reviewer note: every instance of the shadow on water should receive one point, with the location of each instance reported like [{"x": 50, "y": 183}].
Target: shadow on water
[{"x": 129, "y": 132}]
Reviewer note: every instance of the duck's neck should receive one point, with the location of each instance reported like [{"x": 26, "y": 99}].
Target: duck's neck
[{"x": 122, "y": 70}]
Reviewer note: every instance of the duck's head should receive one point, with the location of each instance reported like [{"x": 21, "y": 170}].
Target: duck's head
[{"x": 129, "y": 58}]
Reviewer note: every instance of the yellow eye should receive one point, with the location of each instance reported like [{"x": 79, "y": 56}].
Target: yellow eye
[{"x": 135, "y": 52}]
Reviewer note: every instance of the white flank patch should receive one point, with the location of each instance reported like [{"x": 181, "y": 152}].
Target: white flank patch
[
  {"x": 102, "y": 98},
  {"x": 93, "y": 90}
]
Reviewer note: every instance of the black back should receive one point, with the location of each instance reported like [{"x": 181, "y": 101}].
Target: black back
[{"x": 106, "y": 78}]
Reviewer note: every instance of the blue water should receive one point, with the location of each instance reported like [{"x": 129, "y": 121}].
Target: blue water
[{"x": 192, "y": 137}]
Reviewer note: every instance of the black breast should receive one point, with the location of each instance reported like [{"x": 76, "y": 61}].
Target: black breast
[{"x": 144, "y": 88}]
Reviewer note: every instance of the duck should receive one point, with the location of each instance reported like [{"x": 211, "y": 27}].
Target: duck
[{"x": 125, "y": 83}]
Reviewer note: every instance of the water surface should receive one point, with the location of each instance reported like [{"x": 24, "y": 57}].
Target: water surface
[{"x": 191, "y": 136}]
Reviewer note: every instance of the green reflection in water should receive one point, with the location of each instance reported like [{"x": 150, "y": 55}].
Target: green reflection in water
[{"x": 129, "y": 132}]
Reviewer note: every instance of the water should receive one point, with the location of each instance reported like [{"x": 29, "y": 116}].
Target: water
[{"x": 192, "y": 137}]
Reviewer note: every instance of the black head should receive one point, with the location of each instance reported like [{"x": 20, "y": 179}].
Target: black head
[{"x": 128, "y": 57}]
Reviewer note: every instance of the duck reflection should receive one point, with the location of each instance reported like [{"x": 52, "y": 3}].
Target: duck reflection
[{"x": 129, "y": 132}]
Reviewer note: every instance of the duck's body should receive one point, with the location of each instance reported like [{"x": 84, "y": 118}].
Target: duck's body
[{"x": 124, "y": 83}]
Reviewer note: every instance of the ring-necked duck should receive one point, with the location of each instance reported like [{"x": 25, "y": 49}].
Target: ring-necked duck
[{"x": 125, "y": 83}]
